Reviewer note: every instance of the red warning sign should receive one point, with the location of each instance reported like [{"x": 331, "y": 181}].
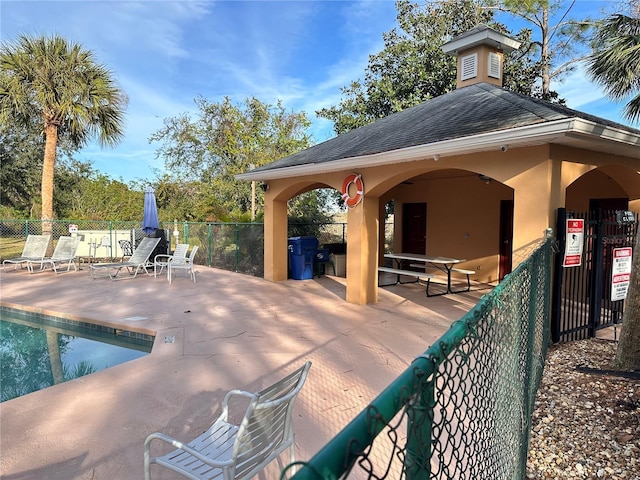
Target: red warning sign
[{"x": 574, "y": 243}]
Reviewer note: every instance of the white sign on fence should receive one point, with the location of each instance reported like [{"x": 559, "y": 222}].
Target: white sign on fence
[
  {"x": 575, "y": 240},
  {"x": 620, "y": 273}
]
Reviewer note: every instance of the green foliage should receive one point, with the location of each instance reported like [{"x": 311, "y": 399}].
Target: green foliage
[
  {"x": 311, "y": 206},
  {"x": 85, "y": 194},
  {"x": 24, "y": 359},
  {"x": 203, "y": 154},
  {"x": 308, "y": 212},
  {"x": 80, "y": 369},
  {"x": 21, "y": 152},
  {"x": 82, "y": 193},
  {"x": 178, "y": 199},
  {"x": 412, "y": 67},
  {"x": 553, "y": 49},
  {"x": 615, "y": 62},
  {"x": 58, "y": 85}
]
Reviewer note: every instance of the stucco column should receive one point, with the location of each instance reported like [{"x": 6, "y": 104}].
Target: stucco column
[
  {"x": 533, "y": 212},
  {"x": 275, "y": 239},
  {"x": 362, "y": 252}
]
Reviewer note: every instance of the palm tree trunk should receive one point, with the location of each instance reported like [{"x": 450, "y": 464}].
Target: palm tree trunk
[
  {"x": 628, "y": 352},
  {"x": 48, "y": 165},
  {"x": 55, "y": 360}
]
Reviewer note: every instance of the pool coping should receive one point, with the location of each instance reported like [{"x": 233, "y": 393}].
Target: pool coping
[{"x": 117, "y": 329}]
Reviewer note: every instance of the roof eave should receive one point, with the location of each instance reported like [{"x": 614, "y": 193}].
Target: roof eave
[
  {"x": 484, "y": 37},
  {"x": 529, "y": 135}
]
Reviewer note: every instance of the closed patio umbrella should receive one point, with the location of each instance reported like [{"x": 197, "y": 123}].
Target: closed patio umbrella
[{"x": 150, "y": 213}]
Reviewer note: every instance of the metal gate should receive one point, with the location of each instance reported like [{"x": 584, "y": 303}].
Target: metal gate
[{"x": 581, "y": 302}]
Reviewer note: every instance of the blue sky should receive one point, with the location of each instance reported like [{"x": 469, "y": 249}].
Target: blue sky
[{"x": 165, "y": 53}]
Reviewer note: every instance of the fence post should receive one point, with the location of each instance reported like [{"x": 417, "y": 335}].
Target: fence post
[
  {"x": 556, "y": 298},
  {"x": 538, "y": 295},
  {"x": 237, "y": 246},
  {"x": 595, "y": 302},
  {"x": 210, "y": 241},
  {"x": 417, "y": 465},
  {"x": 112, "y": 240}
]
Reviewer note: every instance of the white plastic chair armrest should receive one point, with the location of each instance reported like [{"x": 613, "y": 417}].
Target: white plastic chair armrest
[
  {"x": 241, "y": 393},
  {"x": 181, "y": 446},
  {"x": 225, "y": 403}
]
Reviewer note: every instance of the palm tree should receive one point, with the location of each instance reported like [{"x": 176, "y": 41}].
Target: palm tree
[
  {"x": 71, "y": 96},
  {"x": 615, "y": 62}
]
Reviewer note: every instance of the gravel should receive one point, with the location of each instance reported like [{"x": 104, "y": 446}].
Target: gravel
[{"x": 586, "y": 421}]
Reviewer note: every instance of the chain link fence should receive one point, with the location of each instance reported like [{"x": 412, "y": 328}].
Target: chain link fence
[
  {"x": 237, "y": 247},
  {"x": 463, "y": 409}
]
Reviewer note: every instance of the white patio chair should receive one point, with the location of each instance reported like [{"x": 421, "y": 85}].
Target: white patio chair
[
  {"x": 64, "y": 253},
  {"x": 35, "y": 248},
  {"x": 228, "y": 451},
  {"x": 185, "y": 263},
  {"x": 138, "y": 261},
  {"x": 162, "y": 261}
]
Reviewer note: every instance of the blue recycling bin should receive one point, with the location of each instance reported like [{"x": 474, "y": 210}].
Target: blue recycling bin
[{"x": 302, "y": 252}]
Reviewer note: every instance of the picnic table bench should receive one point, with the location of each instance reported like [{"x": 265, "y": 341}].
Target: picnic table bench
[
  {"x": 424, "y": 276},
  {"x": 442, "y": 264},
  {"x": 462, "y": 271}
]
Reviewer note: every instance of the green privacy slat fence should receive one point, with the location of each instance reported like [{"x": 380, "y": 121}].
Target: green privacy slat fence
[{"x": 463, "y": 409}]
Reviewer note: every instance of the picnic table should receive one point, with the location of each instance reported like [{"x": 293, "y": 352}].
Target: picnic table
[{"x": 444, "y": 264}]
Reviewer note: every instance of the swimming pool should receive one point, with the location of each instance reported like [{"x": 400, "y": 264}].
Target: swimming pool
[{"x": 38, "y": 351}]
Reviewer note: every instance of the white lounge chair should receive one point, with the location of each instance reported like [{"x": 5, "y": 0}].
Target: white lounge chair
[
  {"x": 64, "y": 253},
  {"x": 35, "y": 248},
  {"x": 228, "y": 451},
  {"x": 138, "y": 261},
  {"x": 185, "y": 263},
  {"x": 162, "y": 261}
]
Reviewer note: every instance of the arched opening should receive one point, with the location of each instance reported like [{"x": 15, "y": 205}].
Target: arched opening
[
  {"x": 313, "y": 230},
  {"x": 611, "y": 187},
  {"x": 602, "y": 202},
  {"x": 458, "y": 214}
]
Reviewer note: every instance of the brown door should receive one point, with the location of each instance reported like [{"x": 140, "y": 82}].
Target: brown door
[
  {"x": 506, "y": 237},
  {"x": 609, "y": 203},
  {"x": 414, "y": 228}
]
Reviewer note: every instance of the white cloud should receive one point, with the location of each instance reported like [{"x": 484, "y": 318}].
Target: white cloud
[
  {"x": 577, "y": 89},
  {"x": 582, "y": 93}
]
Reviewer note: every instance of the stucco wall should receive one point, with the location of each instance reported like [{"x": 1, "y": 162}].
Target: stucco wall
[
  {"x": 463, "y": 213},
  {"x": 463, "y": 218}
]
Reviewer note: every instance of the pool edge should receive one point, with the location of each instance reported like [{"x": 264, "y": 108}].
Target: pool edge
[{"x": 78, "y": 318}]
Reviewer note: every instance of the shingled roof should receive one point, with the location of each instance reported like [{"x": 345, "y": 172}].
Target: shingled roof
[{"x": 467, "y": 112}]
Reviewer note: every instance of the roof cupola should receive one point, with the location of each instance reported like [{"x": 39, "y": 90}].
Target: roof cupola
[{"x": 480, "y": 53}]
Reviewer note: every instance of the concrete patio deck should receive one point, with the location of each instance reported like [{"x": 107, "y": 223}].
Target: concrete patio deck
[{"x": 230, "y": 331}]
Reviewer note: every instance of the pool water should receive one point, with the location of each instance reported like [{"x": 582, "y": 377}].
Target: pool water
[{"x": 38, "y": 351}]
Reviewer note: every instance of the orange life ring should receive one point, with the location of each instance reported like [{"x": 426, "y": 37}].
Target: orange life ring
[{"x": 356, "y": 179}]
